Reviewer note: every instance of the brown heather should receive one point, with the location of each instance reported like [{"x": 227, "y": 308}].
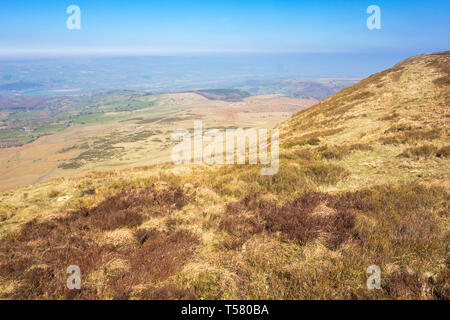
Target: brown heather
[{"x": 39, "y": 253}]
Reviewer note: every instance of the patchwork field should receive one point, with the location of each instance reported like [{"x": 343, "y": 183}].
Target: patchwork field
[{"x": 131, "y": 129}]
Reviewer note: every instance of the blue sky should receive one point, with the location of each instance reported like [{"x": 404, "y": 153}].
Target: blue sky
[{"x": 191, "y": 27}]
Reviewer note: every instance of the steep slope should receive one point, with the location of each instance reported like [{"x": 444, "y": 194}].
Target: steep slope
[
  {"x": 363, "y": 180},
  {"x": 391, "y": 126}
]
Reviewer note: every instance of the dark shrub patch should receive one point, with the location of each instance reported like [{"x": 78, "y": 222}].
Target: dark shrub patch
[
  {"x": 333, "y": 152},
  {"x": 339, "y": 152},
  {"x": 167, "y": 292},
  {"x": 417, "y": 135},
  {"x": 143, "y": 235},
  {"x": 400, "y": 128},
  {"x": 295, "y": 220},
  {"x": 444, "y": 152},
  {"x": 311, "y": 138},
  {"x": 390, "y": 140},
  {"x": 159, "y": 257},
  {"x": 442, "y": 81},
  {"x": 360, "y": 147},
  {"x": 424, "y": 151},
  {"x": 240, "y": 222},
  {"x": 117, "y": 219},
  {"x": 408, "y": 134},
  {"x": 441, "y": 65},
  {"x": 326, "y": 174},
  {"x": 313, "y": 141},
  {"x": 88, "y": 192},
  {"x": 126, "y": 208},
  {"x": 38, "y": 255},
  {"x": 404, "y": 198},
  {"x": 403, "y": 285},
  {"x": 53, "y": 193},
  {"x": 392, "y": 116}
]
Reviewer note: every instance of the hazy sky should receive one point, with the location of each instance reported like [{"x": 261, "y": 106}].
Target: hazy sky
[{"x": 183, "y": 27}]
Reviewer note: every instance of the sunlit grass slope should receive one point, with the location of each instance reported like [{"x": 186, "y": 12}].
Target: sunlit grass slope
[{"x": 363, "y": 180}]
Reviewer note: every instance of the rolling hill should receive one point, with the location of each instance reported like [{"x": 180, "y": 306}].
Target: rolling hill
[{"x": 363, "y": 180}]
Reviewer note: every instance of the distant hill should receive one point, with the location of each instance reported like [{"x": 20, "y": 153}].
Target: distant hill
[
  {"x": 230, "y": 95},
  {"x": 21, "y": 85},
  {"x": 316, "y": 88}
]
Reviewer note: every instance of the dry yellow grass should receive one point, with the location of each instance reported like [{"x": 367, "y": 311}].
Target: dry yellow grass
[{"x": 345, "y": 198}]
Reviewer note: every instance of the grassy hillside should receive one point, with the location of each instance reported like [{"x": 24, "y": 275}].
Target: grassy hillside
[{"x": 363, "y": 180}]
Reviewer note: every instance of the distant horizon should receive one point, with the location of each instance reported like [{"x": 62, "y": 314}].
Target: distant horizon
[
  {"x": 76, "y": 56},
  {"x": 124, "y": 53}
]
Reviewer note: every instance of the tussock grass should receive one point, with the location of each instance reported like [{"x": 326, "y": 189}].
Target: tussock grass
[
  {"x": 342, "y": 200},
  {"x": 412, "y": 136},
  {"x": 424, "y": 151},
  {"x": 325, "y": 174},
  {"x": 39, "y": 252}
]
